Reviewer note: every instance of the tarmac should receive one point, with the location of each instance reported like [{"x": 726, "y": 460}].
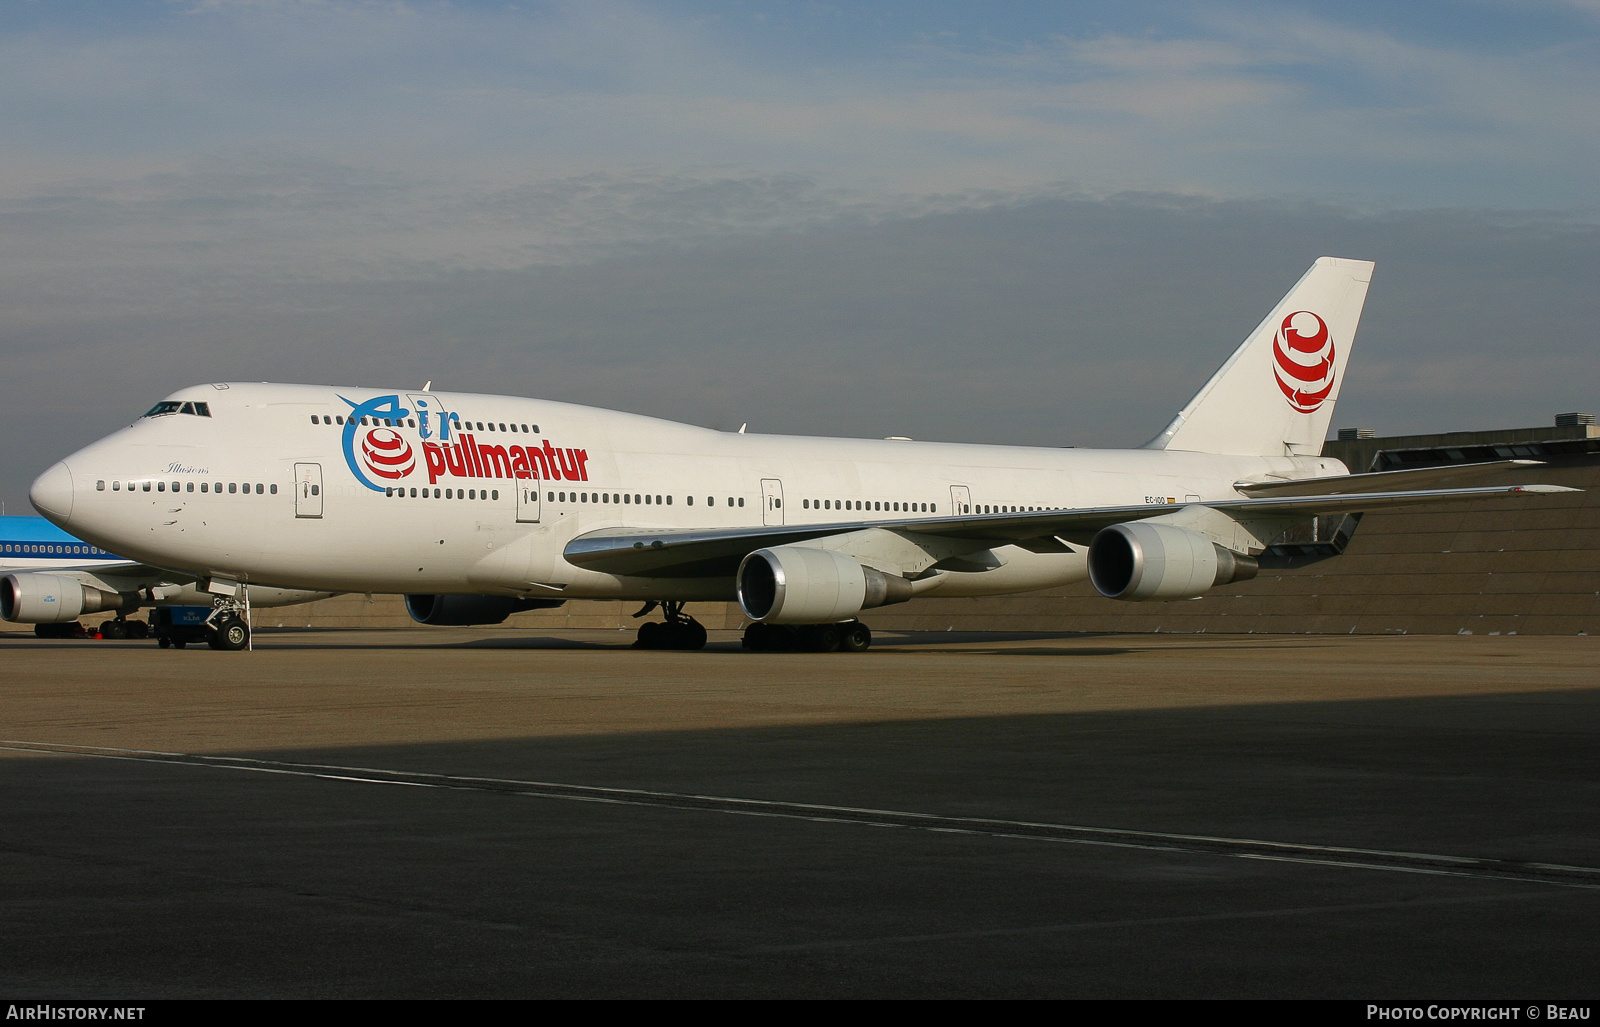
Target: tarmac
[{"x": 492, "y": 813}]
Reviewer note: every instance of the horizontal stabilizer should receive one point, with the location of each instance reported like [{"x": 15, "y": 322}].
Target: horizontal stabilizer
[{"x": 1380, "y": 481}]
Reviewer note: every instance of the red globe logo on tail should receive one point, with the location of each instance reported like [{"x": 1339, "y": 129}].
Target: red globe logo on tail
[
  {"x": 1303, "y": 358},
  {"x": 387, "y": 454}
]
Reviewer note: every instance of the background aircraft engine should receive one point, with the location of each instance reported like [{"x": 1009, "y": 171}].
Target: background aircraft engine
[
  {"x": 1140, "y": 561},
  {"x": 461, "y": 610},
  {"x": 51, "y": 598},
  {"x": 799, "y": 585}
]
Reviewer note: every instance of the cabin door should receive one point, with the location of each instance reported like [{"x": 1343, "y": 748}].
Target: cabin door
[
  {"x": 960, "y": 499},
  {"x": 308, "y": 490},
  {"x": 528, "y": 502},
  {"x": 771, "y": 501}
]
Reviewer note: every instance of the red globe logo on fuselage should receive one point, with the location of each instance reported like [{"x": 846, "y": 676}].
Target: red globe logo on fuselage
[
  {"x": 387, "y": 454},
  {"x": 1303, "y": 358}
]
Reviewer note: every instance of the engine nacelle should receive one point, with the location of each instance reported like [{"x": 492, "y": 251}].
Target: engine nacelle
[
  {"x": 54, "y": 598},
  {"x": 799, "y": 585},
  {"x": 1140, "y": 561},
  {"x": 462, "y": 610}
]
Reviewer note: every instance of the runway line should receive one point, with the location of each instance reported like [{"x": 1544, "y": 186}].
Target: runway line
[{"x": 1555, "y": 874}]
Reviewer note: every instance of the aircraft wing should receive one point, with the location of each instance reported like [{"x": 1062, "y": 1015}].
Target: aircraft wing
[{"x": 712, "y": 552}]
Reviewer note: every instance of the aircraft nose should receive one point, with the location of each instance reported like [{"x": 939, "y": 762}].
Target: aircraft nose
[{"x": 52, "y": 493}]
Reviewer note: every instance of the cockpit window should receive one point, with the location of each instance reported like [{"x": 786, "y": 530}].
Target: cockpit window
[{"x": 169, "y": 406}]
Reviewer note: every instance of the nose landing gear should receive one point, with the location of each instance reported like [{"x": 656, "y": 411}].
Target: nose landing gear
[
  {"x": 225, "y": 628},
  {"x": 678, "y": 631}
]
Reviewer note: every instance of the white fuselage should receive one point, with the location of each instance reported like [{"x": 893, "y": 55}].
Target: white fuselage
[{"x": 409, "y": 506}]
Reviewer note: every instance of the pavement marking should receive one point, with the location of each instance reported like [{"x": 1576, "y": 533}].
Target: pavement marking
[
  {"x": 1134, "y": 922},
  {"x": 1556, "y": 874}
]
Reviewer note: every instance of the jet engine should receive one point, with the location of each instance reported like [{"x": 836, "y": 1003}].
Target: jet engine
[
  {"x": 799, "y": 585},
  {"x": 54, "y": 598},
  {"x": 461, "y": 610},
  {"x": 1140, "y": 561}
]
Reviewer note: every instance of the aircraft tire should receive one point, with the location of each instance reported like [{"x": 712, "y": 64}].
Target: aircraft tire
[
  {"x": 855, "y": 637},
  {"x": 138, "y": 629},
  {"x": 690, "y": 636},
  {"x": 825, "y": 638},
  {"x": 231, "y": 634},
  {"x": 649, "y": 635},
  {"x": 114, "y": 629}
]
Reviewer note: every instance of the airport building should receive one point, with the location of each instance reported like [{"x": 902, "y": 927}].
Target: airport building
[{"x": 1526, "y": 565}]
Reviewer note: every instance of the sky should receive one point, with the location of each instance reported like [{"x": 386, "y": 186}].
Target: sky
[{"x": 1030, "y": 223}]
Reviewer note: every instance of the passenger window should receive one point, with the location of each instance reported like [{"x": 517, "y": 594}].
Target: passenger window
[
  {"x": 741, "y": 500},
  {"x": 583, "y": 497},
  {"x": 100, "y": 486},
  {"x": 496, "y": 494},
  {"x": 161, "y": 486},
  {"x": 669, "y": 500},
  {"x": 689, "y": 500},
  {"x": 233, "y": 487},
  {"x": 316, "y": 490},
  {"x": 205, "y": 487},
  {"x": 502, "y": 427},
  {"x": 314, "y": 419},
  {"x": 339, "y": 419},
  {"x": 273, "y": 489},
  {"x": 116, "y": 486},
  {"x": 146, "y": 486}
]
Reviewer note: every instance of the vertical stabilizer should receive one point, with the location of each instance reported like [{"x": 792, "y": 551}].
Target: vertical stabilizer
[{"x": 1275, "y": 395}]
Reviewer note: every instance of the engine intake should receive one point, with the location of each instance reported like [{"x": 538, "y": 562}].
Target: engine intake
[
  {"x": 55, "y": 598},
  {"x": 1141, "y": 562},
  {"x": 464, "y": 610},
  {"x": 800, "y": 585}
]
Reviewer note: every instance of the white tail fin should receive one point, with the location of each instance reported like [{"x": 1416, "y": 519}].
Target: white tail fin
[{"x": 1275, "y": 395}]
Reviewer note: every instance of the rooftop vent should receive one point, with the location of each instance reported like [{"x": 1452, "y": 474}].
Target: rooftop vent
[
  {"x": 1573, "y": 420},
  {"x": 1352, "y": 434}
]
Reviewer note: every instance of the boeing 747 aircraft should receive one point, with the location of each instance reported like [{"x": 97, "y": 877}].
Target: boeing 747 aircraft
[{"x": 478, "y": 506}]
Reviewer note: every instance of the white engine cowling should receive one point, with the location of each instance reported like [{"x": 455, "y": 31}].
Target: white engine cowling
[
  {"x": 51, "y": 598},
  {"x": 799, "y": 585},
  {"x": 1140, "y": 561}
]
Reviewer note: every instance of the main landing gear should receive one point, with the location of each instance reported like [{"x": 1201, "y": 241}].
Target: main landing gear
[
  {"x": 850, "y": 637},
  {"x": 679, "y": 631}
]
